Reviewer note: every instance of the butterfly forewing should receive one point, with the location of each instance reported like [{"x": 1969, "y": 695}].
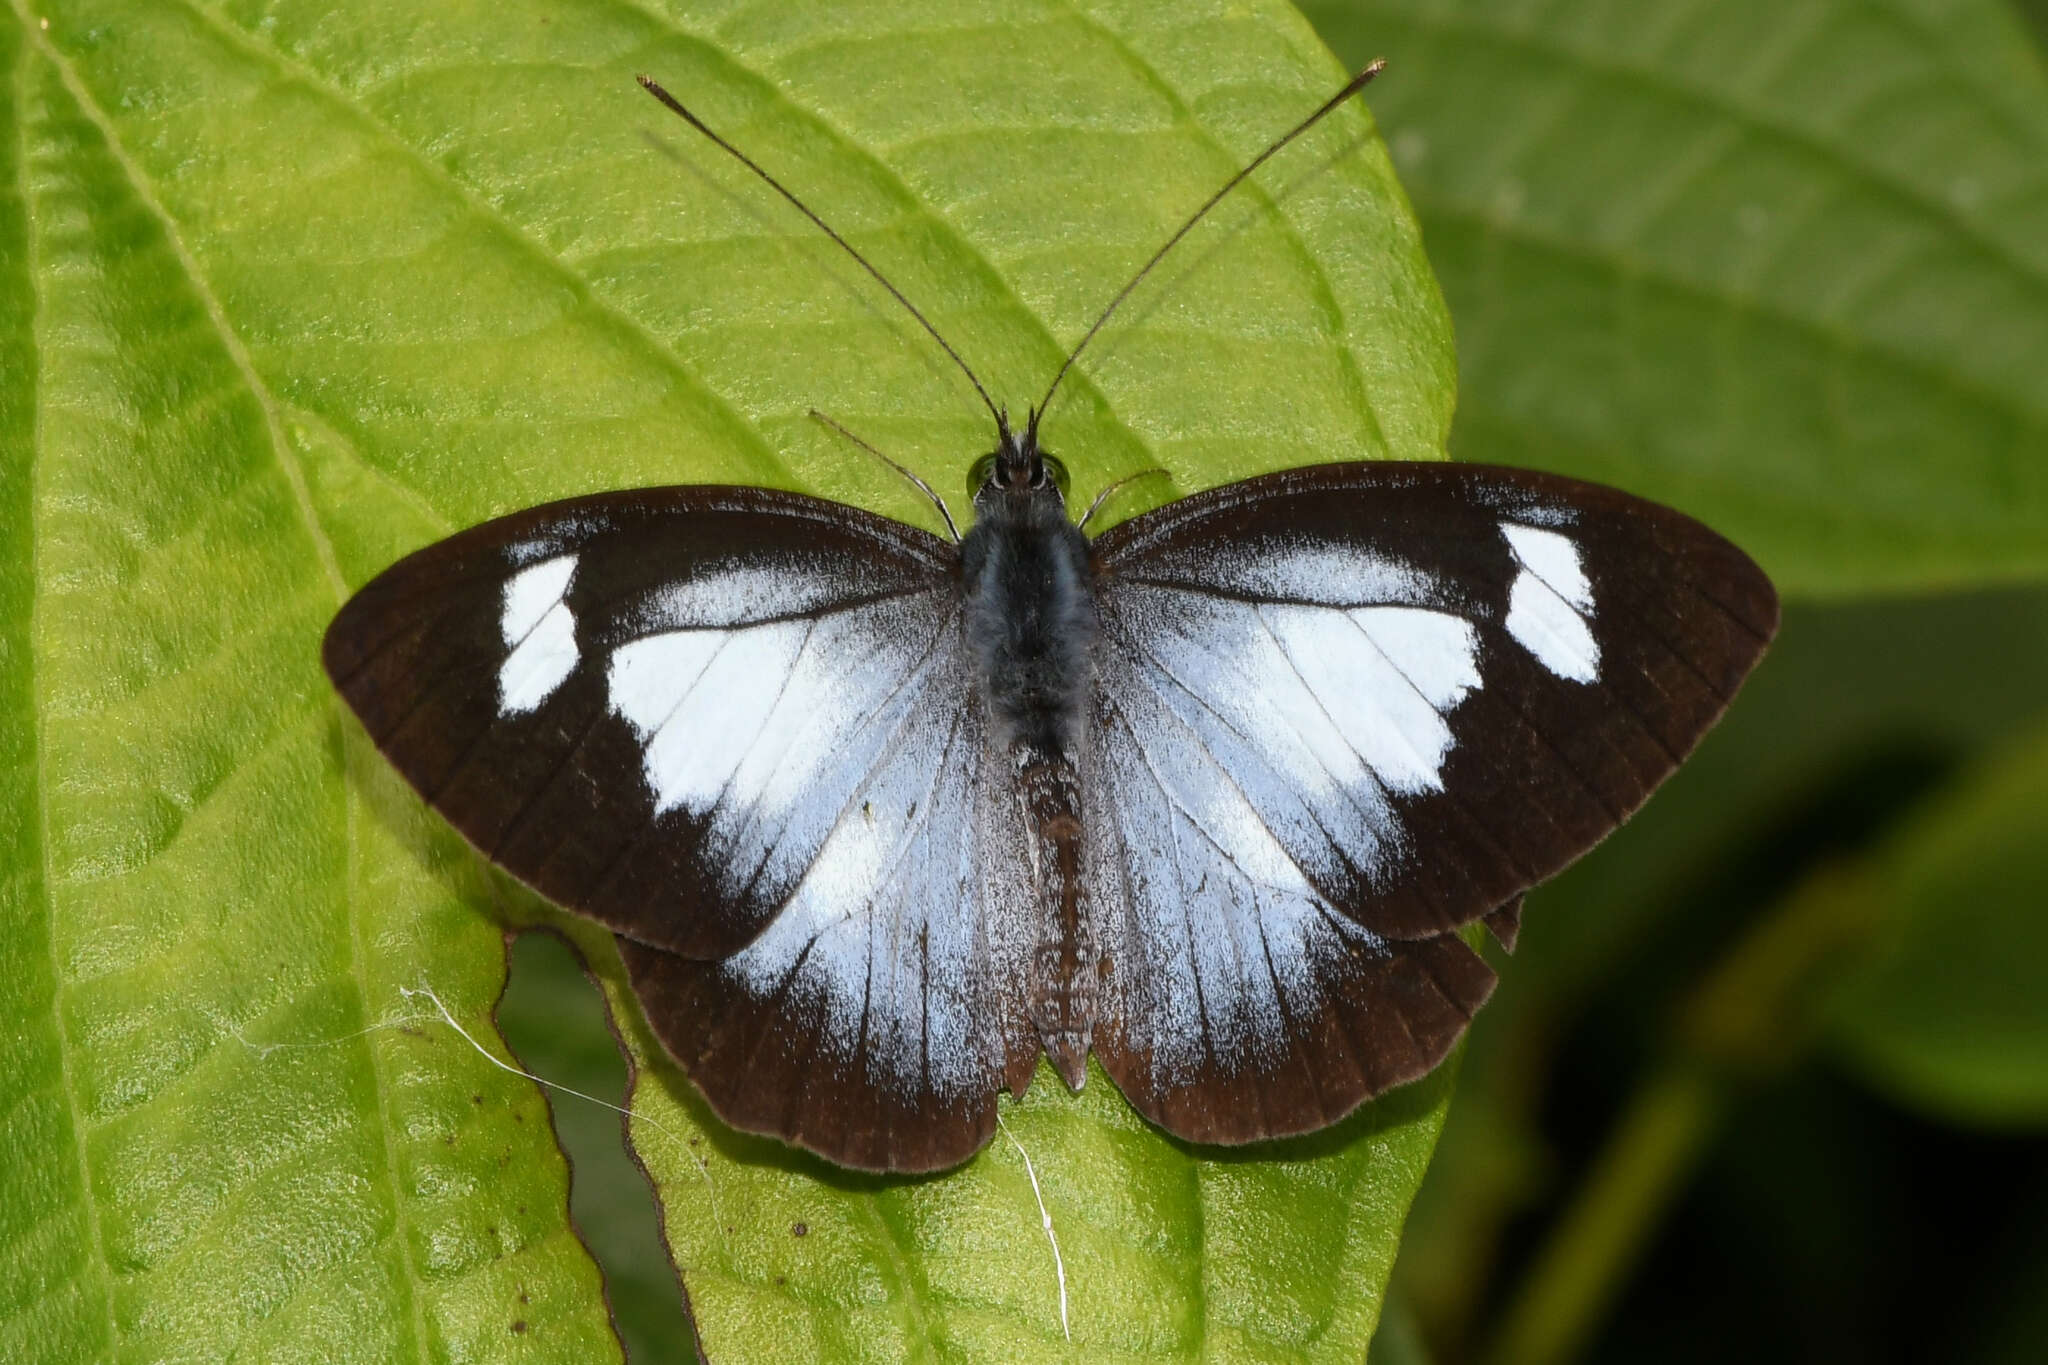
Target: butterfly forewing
[
  {"x": 1343, "y": 712},
  {"x": 645, "y": 704}
]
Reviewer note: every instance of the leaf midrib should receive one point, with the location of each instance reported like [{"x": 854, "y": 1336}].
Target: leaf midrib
[
  {"x": 96, "y": 1236},
  {"x": 1355, "y": 387},
  {"x": 144, "y": 191},
  {"x": 911, "y": 206},
  {"x": 915, "y": 207},
  {"x": 358, "y": 112}
]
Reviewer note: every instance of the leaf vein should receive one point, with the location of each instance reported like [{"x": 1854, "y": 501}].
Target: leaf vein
[{"x": 68, "y": 1083}]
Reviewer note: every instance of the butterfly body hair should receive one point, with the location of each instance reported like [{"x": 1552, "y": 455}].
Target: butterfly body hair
[{"x": 1029, "y": 617}]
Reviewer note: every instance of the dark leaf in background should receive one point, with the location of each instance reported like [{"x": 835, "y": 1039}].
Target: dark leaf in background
[
  {"x": 1782, "y": 266},
  {"x": 1952, "y": 1014}
]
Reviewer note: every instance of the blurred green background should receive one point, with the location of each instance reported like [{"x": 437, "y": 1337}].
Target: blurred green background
[{"x": 1768, "y": 1079}]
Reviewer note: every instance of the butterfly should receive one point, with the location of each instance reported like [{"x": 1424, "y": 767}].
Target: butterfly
[{"x": 880, "y": 818}]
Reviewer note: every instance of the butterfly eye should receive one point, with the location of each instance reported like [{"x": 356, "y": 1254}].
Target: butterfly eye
[
  {"x": 982, "y": 471},
  {"x": 1057, "y": 473}
]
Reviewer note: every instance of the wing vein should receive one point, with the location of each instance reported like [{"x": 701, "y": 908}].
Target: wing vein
[
  {"x": 1179, "y": 880},
  {"x": 1270, "y": 599},
  {"x": 1456, "y": 797},
  {"x": 1221, "y": 852},
  {"x": 1287, "y": 1021},
  {"x": 767, "y": 713},
  {"x": 1364, "y": 763},
  {"x": 1428, "y": 969},
  {"x": 545, "y": 785},
  {"x": 455, "y": 769},
  {"x": 683, "y": 697},
  {"x": 916, "y": 671},
  {"x": 883, "y": 876},
  {"x": 1137, "y": 643},
  {"x": 812, "y": 617},
  {"x": 646, "y": 828},
  {"x": 771, "y": 1009}
]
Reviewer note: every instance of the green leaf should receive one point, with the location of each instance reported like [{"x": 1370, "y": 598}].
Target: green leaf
[
  {"x": 1783, "y": 266},
  {"x": 1953, "y": 1016},
  {"x": 189, "y": 875},
  {"x": 289, "y": 292}
]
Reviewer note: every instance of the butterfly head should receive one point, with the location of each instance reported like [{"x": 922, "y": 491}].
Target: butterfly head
[{"x": 1016, "y": 470}]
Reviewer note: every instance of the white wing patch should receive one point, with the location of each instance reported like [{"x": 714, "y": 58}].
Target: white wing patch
[
  {"x": 1352, "y": 699},
  {"x": 700, "y": 700},
  {"x": 882, "y": 931},
  {"x": 1306, "y": 572},
  {"x": 1230, "y": 937},
  {"x": 834, "y": 762},
  {"x": 1550, "y": 603},
  {"x": 764, "y": 730},
  {"x": 1255, "y": 750},
  {"x": 1385, "y": 676},
  {"x": 756, "y": 591},
  {"x": 540, "y": 632}
]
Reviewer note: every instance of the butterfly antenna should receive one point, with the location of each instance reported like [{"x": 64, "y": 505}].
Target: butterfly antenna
[
  {"x": 1351, "y": 87},
  {"x": 937, "y": 501},
  {"x": 675, "y": 106}
]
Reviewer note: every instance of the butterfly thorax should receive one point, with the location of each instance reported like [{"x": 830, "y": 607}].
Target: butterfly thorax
[
  {"x": 1029, "y": 617},
  {"x": 1029, "y": 620}
]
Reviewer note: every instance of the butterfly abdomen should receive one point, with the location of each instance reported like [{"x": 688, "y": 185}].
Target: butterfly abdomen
[{"x": 1065, "y": 989}]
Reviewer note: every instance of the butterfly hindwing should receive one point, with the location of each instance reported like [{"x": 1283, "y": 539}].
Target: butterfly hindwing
[
  {"x": 1241, "y": 1003},
  {"x": 877, "y": 1015},
  {"x": 1345, "y": 711}
]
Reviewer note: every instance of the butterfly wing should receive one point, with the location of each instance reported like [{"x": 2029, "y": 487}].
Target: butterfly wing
[
  {"x": 732, "y": 726},
  {"x": 1343, "y": 712},
  {"x": 877, "y": 1015}
]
